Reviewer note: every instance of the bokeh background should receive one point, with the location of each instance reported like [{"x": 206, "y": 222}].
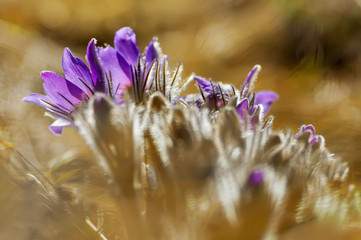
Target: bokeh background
[{"x": 310, "y": 52}]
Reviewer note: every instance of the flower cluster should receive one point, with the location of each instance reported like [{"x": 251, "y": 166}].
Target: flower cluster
[
  {"x": 111, "y": 70},
  {"x": 123, "y": 69},
  {"x": 205, "y": 158}
]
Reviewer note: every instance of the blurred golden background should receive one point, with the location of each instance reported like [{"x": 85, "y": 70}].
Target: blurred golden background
[{"x": 310, "y": 53}]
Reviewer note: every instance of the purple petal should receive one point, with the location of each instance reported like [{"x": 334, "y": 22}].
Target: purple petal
[
  {"x": 309, "y": 127},
  {"x": 95, "y": 67},
  {"x": 242, "y": 107},
  {"x": 126, "y": 45},
  {"x": 115, "y": 66},
  {"x": 313, "y": 138},
  {"x": 265, "y": 98},
  {"x": 256, "y": 115},
  {"x": 62, "y": 92},
  {"x": 205, "y": 85},
  {"x": 77, "y": 72},
  {"x": 250, "y": 79},
  {"x": 255, "y": 178},
  {"x": 151, "y": 52},
  {"x": 57, "y": 126},
  {"x": 36, "y": 98}
]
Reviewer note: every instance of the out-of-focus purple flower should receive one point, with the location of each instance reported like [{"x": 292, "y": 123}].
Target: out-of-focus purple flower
[
  {"x": 313, "y": 138},
  {"x": 250, "y": 101},
  {"x": 111, "y": 71},
  {"x": 216, "y": 95},
  {"x": 255, "y": 178}
]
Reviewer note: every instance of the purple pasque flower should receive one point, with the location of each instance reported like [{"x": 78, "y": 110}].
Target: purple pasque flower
[
  {"x": 126, "y": 62},
  {"x": 64, "y": 94},
  {"x": 216, "y": 95},
  {"x": 313, "y": 138},
  {"x": 259, "y": 102},
  {"x": 143, "y": 73},
  {"x": 110, "y": 71}
]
